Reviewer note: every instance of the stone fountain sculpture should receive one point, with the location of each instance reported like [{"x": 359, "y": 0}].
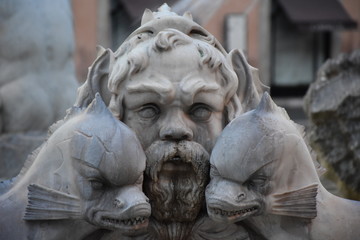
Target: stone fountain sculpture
[
  {"x": 332, "y": 104},
  {"x": 176, "y": 87},
  {"x": 262, "y": 175},
  {"x": 86, "y": 179}
]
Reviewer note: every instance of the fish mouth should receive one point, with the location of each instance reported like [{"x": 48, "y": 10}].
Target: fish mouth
[
  {"x": 221, "y": 214},
  {"x": 124, "y": 224}
]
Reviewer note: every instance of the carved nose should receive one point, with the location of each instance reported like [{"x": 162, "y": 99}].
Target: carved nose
[
  {"x": 176, "y": 134},
  {"x": 118, "y": 203},
  {"x": 176, "y": 131},
  {"x": 240, "y": 197},
  {"x": 175, "y": 127}
]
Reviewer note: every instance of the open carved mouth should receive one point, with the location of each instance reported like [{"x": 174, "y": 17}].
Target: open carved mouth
[
  {"x": 132, "y": 220},
  {"x": 124, "y": 222},
  {"x": 169, "y": 159},
  {"x": 235, "y": 215},
  {"x": 176, "y": 165}
]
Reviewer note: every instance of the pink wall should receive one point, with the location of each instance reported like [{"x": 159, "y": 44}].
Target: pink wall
[
  {"x": 85, "y": 24},
  {"x": 350, "y": 40},
  {"x": 217, "y": 23}
]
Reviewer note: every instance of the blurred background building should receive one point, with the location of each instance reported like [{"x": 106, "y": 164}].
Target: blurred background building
[{"x": 287, "y": 40}]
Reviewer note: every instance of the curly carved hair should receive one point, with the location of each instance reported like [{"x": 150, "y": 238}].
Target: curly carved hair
[{"x": 133, "y": 57}]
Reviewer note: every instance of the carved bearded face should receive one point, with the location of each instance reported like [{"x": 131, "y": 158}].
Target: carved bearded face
[{"x": 176, "y": 107}]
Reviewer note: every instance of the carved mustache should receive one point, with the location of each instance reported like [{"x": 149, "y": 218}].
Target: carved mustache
[{"x": 161, "y": 152}]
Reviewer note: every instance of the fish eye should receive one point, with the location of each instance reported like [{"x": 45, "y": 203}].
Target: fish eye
[
  {"x": 148, "y": 111},
  {"x": 200, "y": 112},
  {"x": 257, "y": 182}
]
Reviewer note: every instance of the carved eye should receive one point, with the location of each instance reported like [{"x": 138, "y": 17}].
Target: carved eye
[
  {"x": 96, "y": 184},
  {"x": 257, "y": 182},
  {"x": 200, "y": 112},
  {"x": 148, "y": 111}
]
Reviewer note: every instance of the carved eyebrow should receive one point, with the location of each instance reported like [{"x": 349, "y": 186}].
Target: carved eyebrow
[
  {"x": 195, "y": 85},
  {"x": 259, "y": 169},
  {"x": 242, "y": 178},
  {"x": 248, "y": 175},
  {"x": 160, "y": 86},
  {"x": 191, "y": 87}
]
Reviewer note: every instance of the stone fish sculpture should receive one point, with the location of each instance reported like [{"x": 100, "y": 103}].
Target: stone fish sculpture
[
  {"x": 263, "y": 175},
  {"x": 87, "y": 176}
]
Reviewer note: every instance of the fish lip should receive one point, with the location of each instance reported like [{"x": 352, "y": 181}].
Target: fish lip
[
  {"x": 230, "y": 213},
  {"x": 110, "y": 222},
  {"x": 122, "y": 221}
]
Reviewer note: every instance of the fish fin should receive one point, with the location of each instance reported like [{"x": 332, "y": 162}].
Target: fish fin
[
  {"x": 298, "y": 203},
  {"x": 49, "y": 204}
]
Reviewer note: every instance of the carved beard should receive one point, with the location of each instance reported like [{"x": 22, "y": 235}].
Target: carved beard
[{"x": 175, "y": 180}]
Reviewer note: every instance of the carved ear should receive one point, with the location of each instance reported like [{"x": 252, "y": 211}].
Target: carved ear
[
  {"x": 250, "y": 88},
  {"x": 99, "y": 50},
  {"x": 147, "y": 16},
  {"x": 188, "y": 16},
  {"x": 97, "y": 79}
]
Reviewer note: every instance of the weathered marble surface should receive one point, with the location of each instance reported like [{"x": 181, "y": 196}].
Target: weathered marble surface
[
  {"x": 262, "y": 175},
  {"x": 86, "y": 179},
  {"x": 332, "y": 104},
  {"x": 176, "y": 87}
]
